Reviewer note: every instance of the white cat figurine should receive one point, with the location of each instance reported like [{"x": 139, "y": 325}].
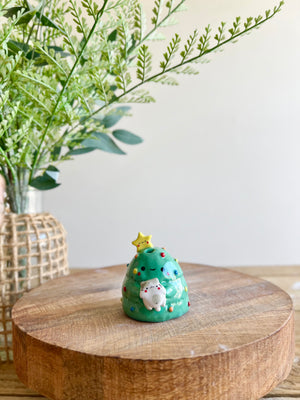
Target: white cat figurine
[{"x": 153, "y": 294}]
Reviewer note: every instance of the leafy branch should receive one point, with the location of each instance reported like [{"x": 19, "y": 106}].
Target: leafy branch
[
  {"x": 171, "y": 10},
  {"x": 65, "y": 85},
  {"x": 204, "y": 41},
  {"x": 143, "y": 63},
  {"x": 189, "y": 46},
  {"x": 158, "y": 4},
  {"x": 59, "y": 101},
  {"x": 171, "y": 51},
  {"x": 203, "y": 48}
]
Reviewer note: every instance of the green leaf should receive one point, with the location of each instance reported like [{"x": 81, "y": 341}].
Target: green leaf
[
  {"x": 204, "y": 41},
  {"x": 45, "y": 21},
  {"x": 56, "y": 153},
  {"x": 43, "y": 182},
  {"x": 16, "y": 47},
  {"x": 46, "y": 181},
  {"x": 158, "y": 4},
  {"x": 13, "y": 11},
  {"x": 40, "y": 62},
  {"x": 57, "y": 49},
  {"x": 127, "y": 137},
  {"x": 188, "y": 47},
  {"x": 112, "y": 36},
  {"x": 52, "y": 172},
  {"x": 171, "y": 50},
  {"x": 26, "y": 17},
  {"x": 143, "y": 63},
  {"x": 102, "y": 142},
  {"x": 77, "y": 152},
  {"x": 112, "y": 118}
]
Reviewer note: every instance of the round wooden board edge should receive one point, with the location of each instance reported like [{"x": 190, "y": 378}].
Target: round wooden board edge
[{"x": 184, "y": 264}]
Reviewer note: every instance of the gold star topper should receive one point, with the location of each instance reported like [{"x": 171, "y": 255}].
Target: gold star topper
[{"x": 142, "y": 242}]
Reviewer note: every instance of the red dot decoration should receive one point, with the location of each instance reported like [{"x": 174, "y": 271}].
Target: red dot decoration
[
  {"x": 139, "y": 273},
  {"x": 189, "y": 304},
  {"x": 136, "y": 256},
  {"x": 158, "y": 288},
  {"x": 124, "y": 288},
  {"x": 146, "y": 291},
  {"x": 162, "y": 254},
  {"x": 147, "y": 242}
]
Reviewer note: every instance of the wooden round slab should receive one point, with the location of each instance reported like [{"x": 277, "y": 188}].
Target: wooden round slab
[{"x": 73, "y": 341}]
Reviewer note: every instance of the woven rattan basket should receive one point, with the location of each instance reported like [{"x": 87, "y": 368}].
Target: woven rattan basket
[{"x": 32, "y": 250}]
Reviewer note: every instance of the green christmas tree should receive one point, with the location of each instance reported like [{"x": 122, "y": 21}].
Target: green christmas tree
[{"x": 154, "y": 288}]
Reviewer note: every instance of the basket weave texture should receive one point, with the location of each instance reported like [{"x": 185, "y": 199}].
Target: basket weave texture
[{"x": 33, "y": 250}]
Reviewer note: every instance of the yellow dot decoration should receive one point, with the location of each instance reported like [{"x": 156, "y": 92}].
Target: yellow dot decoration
[
  {"x": 135, "y": 271},
  {"x": 186, "y": 289},
  {"x": 176, "y": 259}
]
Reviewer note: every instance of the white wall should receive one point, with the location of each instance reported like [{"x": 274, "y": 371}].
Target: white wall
[{"x": 217, "y": 178}]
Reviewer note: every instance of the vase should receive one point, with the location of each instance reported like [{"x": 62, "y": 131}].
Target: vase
[{"x": 33, "y": 250}]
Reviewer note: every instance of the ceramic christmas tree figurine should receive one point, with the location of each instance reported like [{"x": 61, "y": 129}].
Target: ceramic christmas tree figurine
[{"x": 154, "y": 288}]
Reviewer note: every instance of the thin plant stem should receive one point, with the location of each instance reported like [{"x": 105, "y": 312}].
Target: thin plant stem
[
  {"x": 9, "y": 164},
  {"x": 158, "y": 25},
  {"x": 36, "y": 157},
  {"x": 172, "y": 68}
]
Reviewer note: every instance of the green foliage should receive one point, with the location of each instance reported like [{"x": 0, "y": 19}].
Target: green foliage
[
  {"x": 171, "y": 51},
  {"x": 62, "y": 86},
  {"x": 143, "y": 63},
  {"x": 139, "y": 23},
  {"x": 189, "y": 46},
  {"x": 203, "y": 45},
  {"x": 126, "y": 136},
  {"x": 101, "y": 141},
  {"x": 46, "y": 181},
  {"x": 158, "y": 5}
]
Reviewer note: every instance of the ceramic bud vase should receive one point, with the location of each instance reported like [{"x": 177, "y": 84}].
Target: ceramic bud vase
[
  {"x": 32, "y": 250},
  {"x": 154, "y": 288}
]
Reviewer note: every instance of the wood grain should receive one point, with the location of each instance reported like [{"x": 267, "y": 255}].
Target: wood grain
[
  {"x": 72, "y": 340},
  {"x": 289, "y": 280},
  {"x": 291, "y": 386},
  {"x": 270, "y": 270},
  {"x": 10, "y": 385},
  {"x": 35, "y": 397}
]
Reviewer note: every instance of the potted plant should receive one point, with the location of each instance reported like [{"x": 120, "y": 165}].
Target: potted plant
[{"x": 62, "y": 90}]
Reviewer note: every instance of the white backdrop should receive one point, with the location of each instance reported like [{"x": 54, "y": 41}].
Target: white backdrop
[{"x": 217, "y": 178}]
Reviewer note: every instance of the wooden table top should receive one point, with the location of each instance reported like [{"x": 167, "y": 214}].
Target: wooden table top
[{"x": 286, "y": 277}]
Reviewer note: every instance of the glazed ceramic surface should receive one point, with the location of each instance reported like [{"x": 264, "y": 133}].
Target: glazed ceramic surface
[{"x": 154, "y": 288}]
